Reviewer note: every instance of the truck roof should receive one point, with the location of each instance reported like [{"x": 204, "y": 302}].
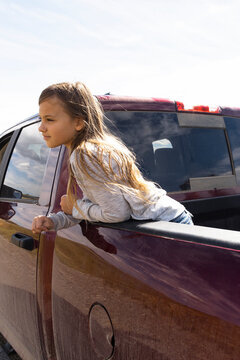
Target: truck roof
[
  {"x": 114, "y": 102},
  {"x": 119, "y": 103}
]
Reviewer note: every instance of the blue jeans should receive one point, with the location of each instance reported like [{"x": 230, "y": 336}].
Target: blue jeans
[{"x": 184, "y": 218}]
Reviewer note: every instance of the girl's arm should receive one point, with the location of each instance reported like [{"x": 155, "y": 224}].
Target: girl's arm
[
  {"x": 109, "y": 207},
  {"x": 61, "y": 220},
  {"x": 52, "y": 222}
]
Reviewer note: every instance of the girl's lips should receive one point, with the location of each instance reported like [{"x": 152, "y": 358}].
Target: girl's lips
[{"x": 46, "y": 137}]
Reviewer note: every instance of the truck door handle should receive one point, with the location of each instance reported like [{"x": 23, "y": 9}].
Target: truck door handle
[{"x": 22, "y": 240}]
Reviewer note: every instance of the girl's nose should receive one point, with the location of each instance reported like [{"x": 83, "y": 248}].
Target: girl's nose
[{"x": 41, "y": 127}]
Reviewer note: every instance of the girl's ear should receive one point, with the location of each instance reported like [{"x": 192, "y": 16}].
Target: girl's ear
[{"x": 79, "y": 124}]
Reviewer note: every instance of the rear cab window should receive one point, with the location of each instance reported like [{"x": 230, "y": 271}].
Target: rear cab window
[{"x": 180, "y": 152}]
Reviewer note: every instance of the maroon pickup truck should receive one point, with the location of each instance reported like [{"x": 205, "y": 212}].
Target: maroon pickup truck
[{"x": 132, "y": 290}]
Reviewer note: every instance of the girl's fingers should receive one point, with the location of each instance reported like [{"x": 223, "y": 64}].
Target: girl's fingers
[
  {"x": 41, "y": 223},
  {"x": 66, "y": 205}
]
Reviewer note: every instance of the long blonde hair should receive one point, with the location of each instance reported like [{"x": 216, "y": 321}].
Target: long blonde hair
[{"x": 78, "y": 102}]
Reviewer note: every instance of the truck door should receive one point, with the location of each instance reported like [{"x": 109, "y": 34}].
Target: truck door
[{"x": 25, "y": 166}]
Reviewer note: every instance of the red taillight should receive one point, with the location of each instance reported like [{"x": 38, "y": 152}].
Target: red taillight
[
  {"x": 197, "y": 108},
  {"x": 201, "y": 108},
  {"x": 180, "y": 106}
]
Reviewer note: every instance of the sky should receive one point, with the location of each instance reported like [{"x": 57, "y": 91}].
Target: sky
[{"x": 183, "y": 50}]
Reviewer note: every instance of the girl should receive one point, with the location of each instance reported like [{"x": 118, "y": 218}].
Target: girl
[{"x": 104, "y": 168}]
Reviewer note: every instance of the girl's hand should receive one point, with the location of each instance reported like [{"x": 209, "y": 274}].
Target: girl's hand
[
  {"x": 66, "y": 205},
  {"x": 42, "y": 223}
]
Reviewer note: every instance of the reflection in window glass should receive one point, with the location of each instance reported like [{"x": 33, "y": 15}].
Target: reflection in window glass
[
  {"x": 168, "y": 154},
  {"x": 26, "y": 167}
]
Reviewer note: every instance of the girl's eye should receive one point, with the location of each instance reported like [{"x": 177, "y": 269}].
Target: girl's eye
[{"x": 48, "y": 119}]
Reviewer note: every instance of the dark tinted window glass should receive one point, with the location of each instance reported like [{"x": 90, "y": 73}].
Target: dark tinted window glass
[
  {"x": 26, "y": 167},
  {"x": 233, "y": 128},
  {"x": 168, "y": 154}
]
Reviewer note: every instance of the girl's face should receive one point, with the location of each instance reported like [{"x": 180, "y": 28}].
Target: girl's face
[{"x": 57, "y": 126}]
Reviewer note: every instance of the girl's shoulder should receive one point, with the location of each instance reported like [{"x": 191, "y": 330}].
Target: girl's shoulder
[
  {"x": 91, "y": 155},
  {"x": 101, "y": 151},
  {"x": 87, "y": 151},
  {"x": 96, "y": 160}
]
